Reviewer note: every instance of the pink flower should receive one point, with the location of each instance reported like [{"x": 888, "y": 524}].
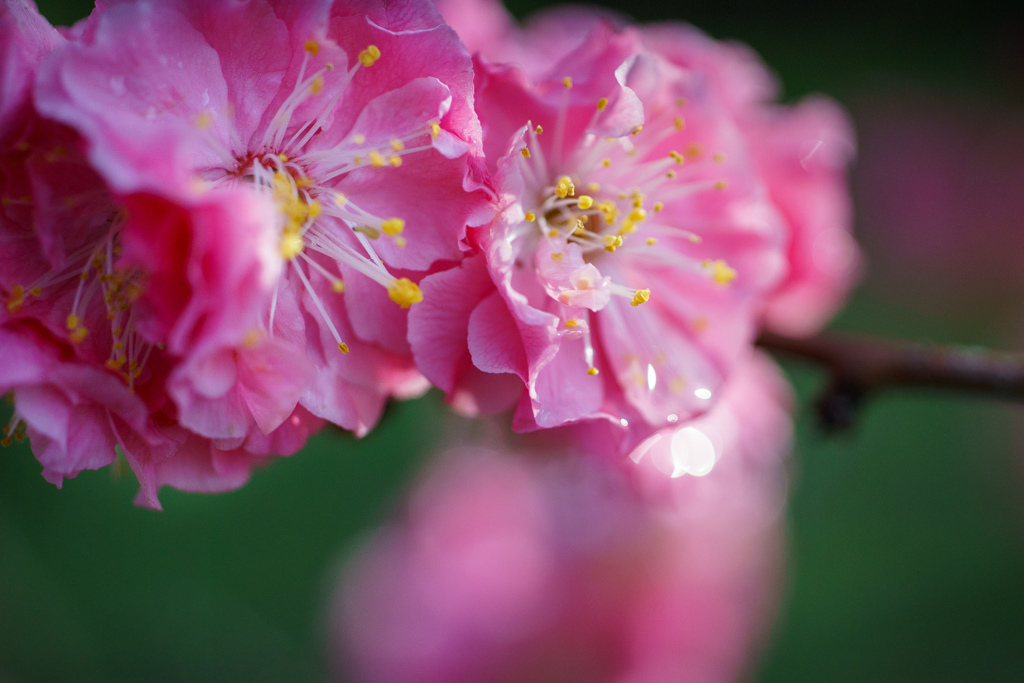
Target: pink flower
[
  {"x": 636, "y": 244},
  {"x": 164, "y": 250},
  {"x": 537, "y": 569},
  {"x": 353, "y": 118}
]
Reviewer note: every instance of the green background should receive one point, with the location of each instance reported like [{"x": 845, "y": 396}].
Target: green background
[{"x": 907, "y": 534}]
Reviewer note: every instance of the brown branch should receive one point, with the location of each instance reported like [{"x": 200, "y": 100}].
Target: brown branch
[{"x": 861, "y": 365}]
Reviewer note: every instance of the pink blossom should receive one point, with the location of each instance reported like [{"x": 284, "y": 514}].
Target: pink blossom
[
  {"x": 534, "y": 568},
  {"x": 354, "y": 118},
  {"x": 620, "y": 168}
]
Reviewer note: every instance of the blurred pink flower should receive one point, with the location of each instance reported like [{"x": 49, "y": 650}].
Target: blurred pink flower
[
  {"x": 654, "y": 204},
  {"x": 535, "y": 568}
]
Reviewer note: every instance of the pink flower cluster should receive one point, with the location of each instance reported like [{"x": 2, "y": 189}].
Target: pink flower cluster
[
  {"x": 539, "y": 568},
  {"x": 227, "y": 224}
]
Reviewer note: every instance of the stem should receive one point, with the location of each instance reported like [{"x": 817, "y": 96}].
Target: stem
[{"x": 860, "y": 365}]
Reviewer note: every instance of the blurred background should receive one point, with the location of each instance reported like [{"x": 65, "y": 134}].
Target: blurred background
[{"x": 906, "y": 535}]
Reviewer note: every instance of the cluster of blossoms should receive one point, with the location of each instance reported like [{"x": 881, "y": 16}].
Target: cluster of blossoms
[{"x": 226, "y": 224}]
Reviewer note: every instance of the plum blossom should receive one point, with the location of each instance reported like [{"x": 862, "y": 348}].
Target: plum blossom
[
  {"x": 635, "y": 248},
  {"x": 173, "y": 272},
  {"x": 523, "y": 567}
]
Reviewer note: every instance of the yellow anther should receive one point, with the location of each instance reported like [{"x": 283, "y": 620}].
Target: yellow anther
[
  {"x": 637, "y": 215},
  {"x": 329, "y": 66},
  {"x": 17, "y": 299},
  {"x": 530, "y": 217},
  {"x": 400, "y": 242},
  {"x": 585, "y": 201},
  {"x": 395, "y": 160},
  {"x": 552, "y": 233},
  {"x": 612, "y": 242},
  {"x": 118, "y": 346},
  {"x": 376, "y": 159},
  {"x": 435, "y": 129},
  {"x": 718, "y": 157},
  {"x": 357, "y": 160},
  {"x": 78, "y": 334},
  {"x": 695, "y": 239},
  {"x": 592, "y": 371},
  {"x": 204, "y": 120},
  {"x": 338, "y": 286},
  {"x": 602, "y": 103},
  {"x": 680, "y": 101},
  {"x": 641, "y": 297},
  {"x": 314, "y": 209},
  {"x": 343, "y": 347},
  {"x": 557, "y": 256},
  {"x": 671, "y": 174},
  {"x": 369, "y": 56},
  {"x": 676, "y": 157},
  {"x": 538, "y": 130},
  {"x": 636, "y": 131},
  {"x": 404, "y": 292},
  {"x": 312, "y": 47},
  {"x": 721, "y": 273},
  {"x": 397, "y": 145},
  {"x": 565, "y": 187},
  {"x": 252, "y": 338},
  {"x": 679, "y": 123},
  {"x": 340, "y": 199},
  {"x": 570, "y": 323},
  {"x": 372, "y": 233},
  {"x": 317, "y": 86},
  {"x": 694, "y": 151},
  {"x": 721, "y": 184},
  {"x": 6, "y": 441},
  {"x": 658, "y": 206},
  {"x": 567, "y": 82},
  {"x": 359, "y": 138},
  {"x": 393, "y": 226},
  {"x": 593, "y": 187},
  {"x": 606, "y": 162},
  {"x": 73, "y": 321},
  {"x": 283, "y": 157},
  {"x": 651, "y": 241},
  {"x": 291, "y": 243},
  {"x": 525, "y": 151}
]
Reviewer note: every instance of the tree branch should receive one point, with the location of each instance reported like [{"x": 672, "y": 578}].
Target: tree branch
[{"x": 860, "y": 365}]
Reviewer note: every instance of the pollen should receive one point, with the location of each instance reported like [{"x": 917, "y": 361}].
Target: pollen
[
  {"x": 530, "y": 217},
  {"x": 676, "y": 157},
  {"x": 585, "y": 201},
  {"x": 435, "y": 129},
  {"x": 369, "y": 56},
  {"x": 606, "y": 162},
  {"x": 592, "y": 371},
  {"x": 602, "y": 103},
  {"x": 78, "y": 334},
  {"x": 538, "y": 130},
  {"x": 397, "y": 145},
  {"x": 721, "y": 273},
  {"x": 637, "y": 130},
  {"x": 376, "y": 159},
  {"x": 312, "y": 47},
  {"x": 567, "y": 82},
  {"x": 317, "y": 86},
  {"x": 658, "y": 206},
  {"x": 395, "y": 160},
  {"x": 17, "y": 298},
  {"x": 73, "y": 321},
  {"x": 338, "y": 286},
  {"x": 525, "y": 151},
  {"x": 553, "y": 233},
  {"x": 571, "y": 323},
  {"x": 291, "y": 243},
  {"x": 641, "y": 297},
  {"x": 651, "y": 241},
  {"x": 393, "y": 226},
  {"x": 404, "y": 292},
  {"x": 565, "y": 187},
  {"x": 343, "y": 347},
  {"x": 679, "y": 123},
  {"x": 557, "y": 256}
]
